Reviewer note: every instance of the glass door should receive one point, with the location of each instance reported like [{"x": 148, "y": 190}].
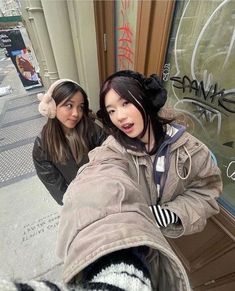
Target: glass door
[{"x": 199, "y": 76}]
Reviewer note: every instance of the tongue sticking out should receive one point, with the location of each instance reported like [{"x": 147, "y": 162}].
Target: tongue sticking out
[{"x": 127, "y": 126}]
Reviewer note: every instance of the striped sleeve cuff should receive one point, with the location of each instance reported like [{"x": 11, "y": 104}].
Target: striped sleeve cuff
[{"x": 163, "y": 216}]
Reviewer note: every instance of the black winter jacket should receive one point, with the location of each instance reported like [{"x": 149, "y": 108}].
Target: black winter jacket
[{"x": 56, "y": 176}]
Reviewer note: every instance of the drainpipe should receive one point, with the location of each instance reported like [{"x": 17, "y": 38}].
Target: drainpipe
[
  {"x": 37, "y": 20},
  {"x": 82, "y": 19},
  {"x": 59, "y": 29}
]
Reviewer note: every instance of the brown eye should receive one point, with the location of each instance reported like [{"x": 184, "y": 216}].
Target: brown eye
[{"x": 69, "y": 106}]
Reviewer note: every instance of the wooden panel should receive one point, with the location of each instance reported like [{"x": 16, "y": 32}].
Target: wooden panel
[
  {"x": 159, "y": 34},
  {"x": 226, "y": 283},
  {"x": 226, "y": 221},
  {"x": 198, "y": 249},
  {"x": 104, "y": 18},
  {"x": 209, "y": 256},
  {"x": 142, "y": 35},
  {"x": 216, "y": 271},
  {"x": 153, "y": 27}
]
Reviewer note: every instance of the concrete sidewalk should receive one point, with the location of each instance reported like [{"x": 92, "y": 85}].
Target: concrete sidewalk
[{"x": 29, "y": 216}]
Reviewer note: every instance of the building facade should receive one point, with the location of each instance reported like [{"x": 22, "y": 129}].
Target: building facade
[{"x": 191, "y": 45}]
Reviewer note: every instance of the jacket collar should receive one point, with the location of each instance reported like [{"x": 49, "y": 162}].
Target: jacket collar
[{"x": 177, "y": 142}]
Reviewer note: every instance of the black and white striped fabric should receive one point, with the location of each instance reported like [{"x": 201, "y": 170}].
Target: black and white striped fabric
[
  {"x": 33, "y": 285},
  {"x": 164, "y": 216},
  {"x": 124, "y": 270}
]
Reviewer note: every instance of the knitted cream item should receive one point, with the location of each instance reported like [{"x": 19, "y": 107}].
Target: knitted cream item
[
  {"x": 124, "y": 276},
  {"x": 118, "y": 277},
  {"x": 47, "y": 106},
  {"x": 124, "y": 270}
]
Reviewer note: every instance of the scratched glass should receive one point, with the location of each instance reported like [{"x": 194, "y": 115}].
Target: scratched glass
[{"x": 199, "y": 76}]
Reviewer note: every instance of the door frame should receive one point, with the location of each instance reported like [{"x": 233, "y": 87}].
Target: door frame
[
  {"x": 153, "y": 31},
  {"x": 105, "y": 21}
]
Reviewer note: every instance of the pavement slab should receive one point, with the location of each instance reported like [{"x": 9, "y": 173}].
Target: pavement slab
[
  {"x": 29, "y": 217},
  {"x": 29, "y": 220}
]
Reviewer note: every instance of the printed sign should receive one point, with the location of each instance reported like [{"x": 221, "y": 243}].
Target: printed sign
[{"x": 21, "y": 57}]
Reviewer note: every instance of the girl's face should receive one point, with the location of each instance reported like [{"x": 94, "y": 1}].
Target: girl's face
[
  {"x": 124, "y": 115},
  {"x": 70, "y": 112}
]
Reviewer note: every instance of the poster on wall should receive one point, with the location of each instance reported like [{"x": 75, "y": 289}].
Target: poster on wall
[
  {"x": 22, "y": 57},
  {"x": 29, "y": 47}
]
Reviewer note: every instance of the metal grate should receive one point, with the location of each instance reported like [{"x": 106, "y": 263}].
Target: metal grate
[
  {"x": 21, "y": 101},
  {"x": 21, "y": 131},
  {"x": 16, "y": 164},
  {"x": 19, "y": 125},
  {"x": 22, "y": 113}
]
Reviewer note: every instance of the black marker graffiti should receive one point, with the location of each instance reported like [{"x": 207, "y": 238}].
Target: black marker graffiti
[
  {"x": 229, "y": 144},
  {"x": 201, "y": 94}
]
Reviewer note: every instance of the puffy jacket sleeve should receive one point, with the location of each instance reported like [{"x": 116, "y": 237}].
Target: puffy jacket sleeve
[
  {"x": 48, "y": 173},
  {"x": 105, "y": 189},
  {"x": 198, "y": 202}
]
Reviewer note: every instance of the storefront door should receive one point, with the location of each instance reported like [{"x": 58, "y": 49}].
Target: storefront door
[
  {"x": 192, "y": 45},
  {"x": 199, "y": 75}
]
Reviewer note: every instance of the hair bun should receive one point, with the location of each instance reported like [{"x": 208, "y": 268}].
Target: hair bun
[
  {"x": 152, "y": 83},
  {"x": 156, "y": 94}
]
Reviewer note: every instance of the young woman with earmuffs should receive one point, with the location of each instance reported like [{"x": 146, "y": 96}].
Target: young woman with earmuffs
[{"x": 68, "y": 135}]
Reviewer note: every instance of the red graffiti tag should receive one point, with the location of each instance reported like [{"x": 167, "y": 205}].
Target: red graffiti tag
[{"x": 125, "y": 52}]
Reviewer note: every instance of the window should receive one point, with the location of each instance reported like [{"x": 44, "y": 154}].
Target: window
[{"x": 199, "y": 76}]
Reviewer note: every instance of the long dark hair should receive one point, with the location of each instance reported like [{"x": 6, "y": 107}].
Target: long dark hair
[
  {"x": 148, "y": 96},
  {"x": 54, "y": 141}
]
